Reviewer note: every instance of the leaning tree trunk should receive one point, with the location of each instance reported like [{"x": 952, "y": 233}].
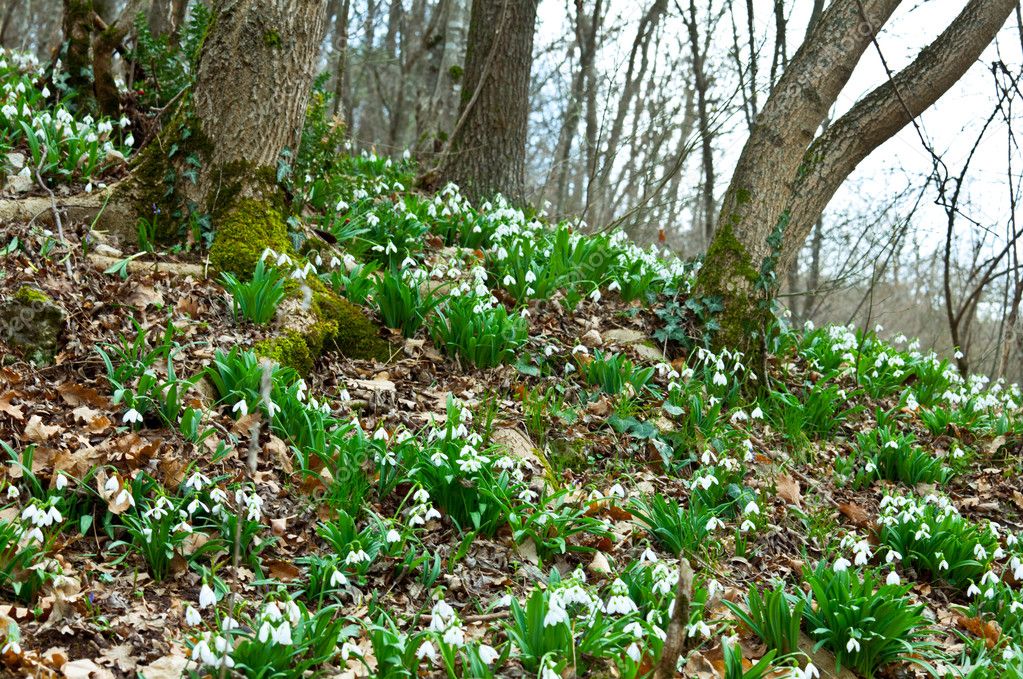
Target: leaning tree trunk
[
  {"x": 786, "y": 174},
  {"x": 487, "y": 152}
]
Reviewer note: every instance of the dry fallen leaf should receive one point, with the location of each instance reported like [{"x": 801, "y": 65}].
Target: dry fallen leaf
[
  {"x": 858, "y": 515},
  {"x": 12, "y": 410},
  {"x": 788, "y": 490},
  {"x": 38, "y": 432}
]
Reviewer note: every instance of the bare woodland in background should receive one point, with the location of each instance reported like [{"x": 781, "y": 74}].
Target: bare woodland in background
[{"x": 636, "y": 113}]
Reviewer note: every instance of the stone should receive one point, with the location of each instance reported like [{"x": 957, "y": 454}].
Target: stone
[
  {"x": 591, "y": 339},
  {"x": 623, "y": 336},
  {"x": 16, "y": 161},
  {"x": 640, "y": 344},
  {"x": 34, "y": 324}
]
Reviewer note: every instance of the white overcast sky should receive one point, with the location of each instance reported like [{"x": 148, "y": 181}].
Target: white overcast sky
[{"x": 951, "y": 125}]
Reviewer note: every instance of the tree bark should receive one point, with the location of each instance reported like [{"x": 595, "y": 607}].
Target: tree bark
[
  {"x": 786, "y": 176},
  {"x": 253, "y": 82},
  {"x": 487, "y": 153}
]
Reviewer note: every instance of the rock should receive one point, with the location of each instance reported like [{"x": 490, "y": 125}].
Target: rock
[
  {"x": 623, "y": 336},
  {"x": 591, "y": 339},
  {"x": 599, "y": 564},
  {"x": 33, "y": 323},
  {"x": 640, "y": 344},
  {"x": 649, "y": 352},
  {"x": 21, "y": 182},
  {"x": 16, "y": 161},
  {"x": 517, "y": 445}
]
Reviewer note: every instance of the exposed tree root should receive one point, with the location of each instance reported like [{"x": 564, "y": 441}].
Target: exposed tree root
[{"x": 108, "y": 211}]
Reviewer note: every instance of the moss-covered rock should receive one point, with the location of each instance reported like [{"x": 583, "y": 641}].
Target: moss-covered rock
[
  {"x": 34, "y": 324},
  {"x": 290, "y": 349},
  {"x": 244, "y": 232}
]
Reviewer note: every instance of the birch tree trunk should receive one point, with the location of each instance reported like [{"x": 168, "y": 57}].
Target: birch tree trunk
[{"x": 787, "y": 174}]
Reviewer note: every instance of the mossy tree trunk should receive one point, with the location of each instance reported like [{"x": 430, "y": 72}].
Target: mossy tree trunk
[
  {"x": 487, "y": 152},
  {"x": 786, "y": 174}
]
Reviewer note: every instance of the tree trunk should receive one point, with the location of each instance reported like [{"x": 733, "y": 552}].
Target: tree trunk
[
  {"x": 254, "y": 77},
  {"x": 785, "y": 176},
  {"x": 487, "y": 153}
]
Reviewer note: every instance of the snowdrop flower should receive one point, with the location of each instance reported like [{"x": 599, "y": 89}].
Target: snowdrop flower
[
  {"x": 619, "y": 602},
  {"x": 616, "y": 491},
  {"x": 348, "y": 649},
  {"x": 841, "y": 564},
  {"x": 206, "y": 596},
  {"x": 426, "y": 650},
  {"x": 356, "y": 557},
  {"x": 197, "y": 481},
  {"x": 973, "y": 590},
  {"x": 241, "y": 407},
  {"x": 720, "y": 379},
  {"x": 13, "y": 492},
  {"x": 752, "y": 508},
  {"x": 282, "y": 634},
  {"x": 488, "y": 654},
  {"x": 192, "y": 616},
  {"x": 61, "y": 482},
  {"x": 699, "y": 628},
  {"x": 893, "y": 578},
  {"x": 338, "y": 579},
  {"x": 556, "y": 615},
  {"x": 852, "y": 646},
  {"x": 747, "y": 526},
  {"x": 132, "y": 417},
  {"x": 758, "y": 414},
  {"x": 714, "y": 523}
]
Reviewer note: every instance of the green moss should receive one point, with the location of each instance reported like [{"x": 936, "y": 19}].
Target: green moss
[
  {"x": 29, "y": 295},
  {"x": 244, "y": 233},
  {"x": 728, "y": 275},
  {"x": 290, "y": 349},
  {"x": 272, "y": 39},
  {"x": 355, "y": 335}
]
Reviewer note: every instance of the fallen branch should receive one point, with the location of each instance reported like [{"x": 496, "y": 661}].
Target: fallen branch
[{"x": 677, "y": 640}]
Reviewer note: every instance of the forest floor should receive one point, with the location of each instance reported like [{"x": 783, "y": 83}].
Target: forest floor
[{"x": 580, "y": 446}]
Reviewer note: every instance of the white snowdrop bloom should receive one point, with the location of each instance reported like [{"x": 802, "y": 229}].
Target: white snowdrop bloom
[
  {"x": 556, "y": 615},
  {"x": 752, "y": 508},
  {"x": 633, "y": 652},
  {"x": 241, "y": 407},
  {"x": 841, "y": 564},
  {"x": 746, "y": 526},
  {"x": 892, "y": 556},
  {"x": 614, "y": 286},
  {"x": 720, "y": 379},
  {"x": 943, "y": 565},
  {"x": 958, "y": 354},
  {"x": 979, "y": 552},
  {"x": 973, "y": 590},
  {"x": 714, "y": 523},
  {"x": 488, "y": 654},
  {"x": 129, "y": 141},
  {"x": 34, "y": 534},
  {"x": 282, "y": 634},
  {"x": 595, "y": 295},
  {"x": 454, "y": 635},
  {"x": 808, "y": 672},
  {"x": 192, "y": 616},
  {"x": 707, "y": 481},
  {"x": 739, "y": 416},
  {"x": 207, "y": 597},
  {"x": 393, "y": 536},
  {"x": 852, "y": 646},
  {"x": 619, "y": 602},
  {"x": 616, "y": 491},
  {"x": 426, "y": 650},
  {"x": 648, "y": 555},
  {"x": 11, "y": 647},
  {"x": 348, "y": 649},
  {"x": 381, "y": 435},
  {"x": 338, "y": 579},
  {"x": 893, "y": 578},
  {"x": 132, "y": 416},
  {"x": 13, "y": 492},
  {"x": 698, "y": 629},
  {"x": 61, "y": 482},
  {"x": 989, "y": 578},
  {"x": 356, "y": 557},
  {"x": 508, "y": 280}
]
